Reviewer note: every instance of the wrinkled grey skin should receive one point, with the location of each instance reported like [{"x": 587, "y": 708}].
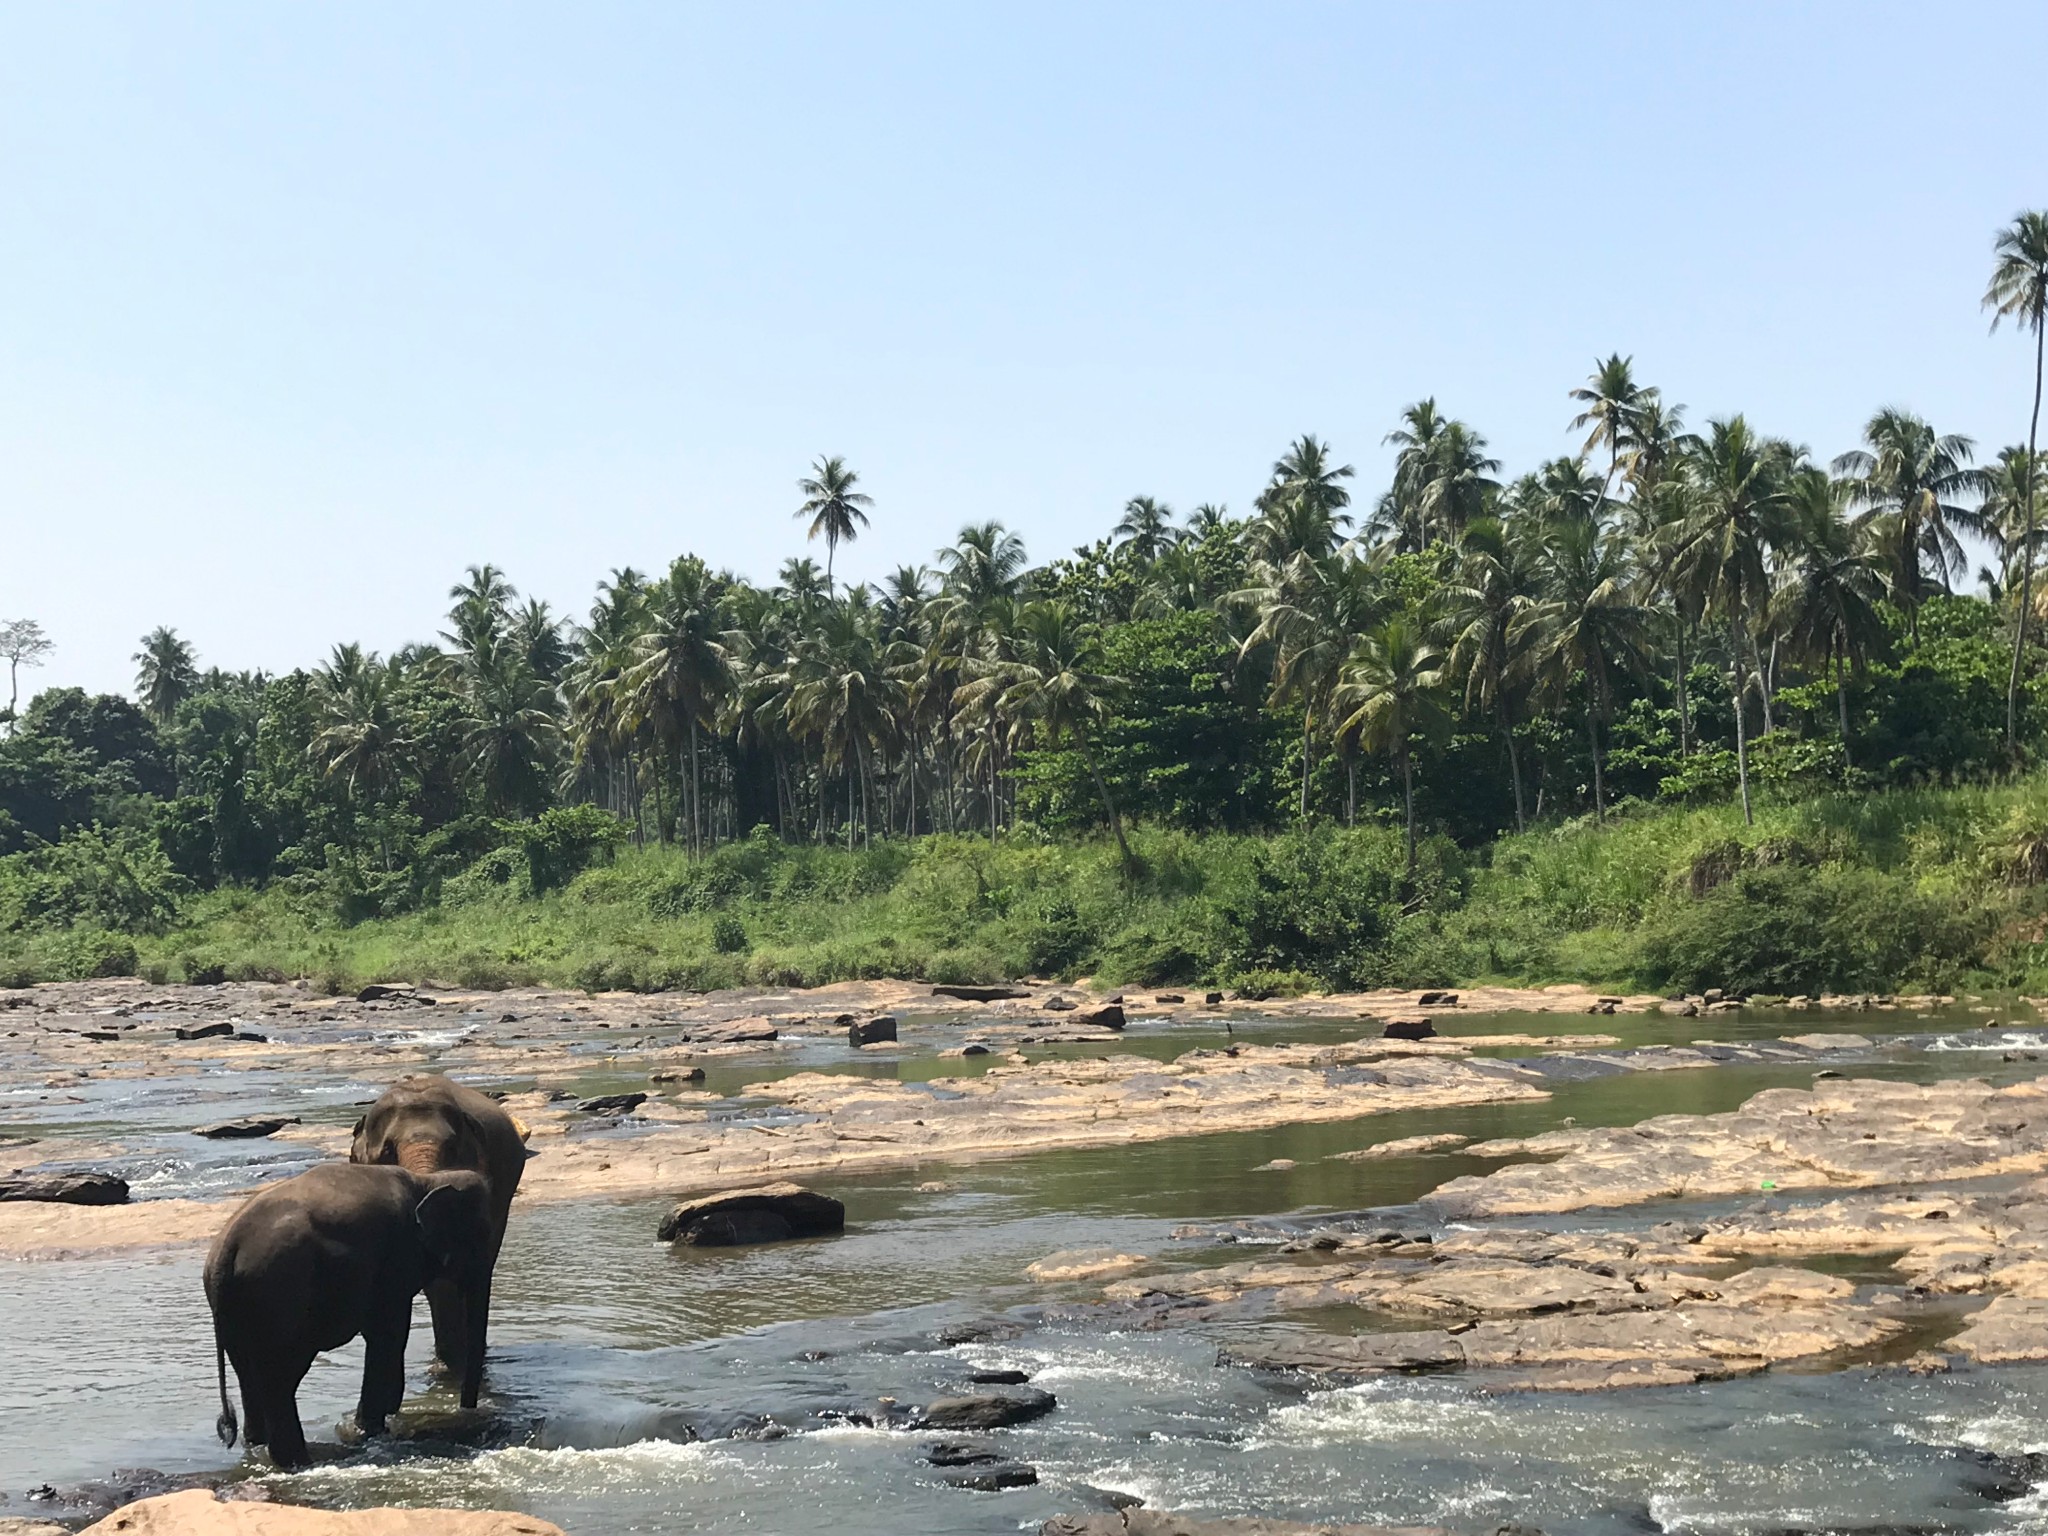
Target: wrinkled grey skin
[
  {"x": 307, "y": 1264},
  {"x": 427, "y": 1125}
]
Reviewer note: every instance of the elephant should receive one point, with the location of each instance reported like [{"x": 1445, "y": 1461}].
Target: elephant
[
  {"x": 308, "y": 1263},
  {"x": 427, "y": 1124}
]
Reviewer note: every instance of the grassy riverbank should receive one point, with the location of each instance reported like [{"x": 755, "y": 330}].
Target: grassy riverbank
[{"x": 1929, "y": 888}]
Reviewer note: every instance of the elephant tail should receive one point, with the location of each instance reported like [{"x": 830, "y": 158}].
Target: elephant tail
[{"x": 226, "y": 1426}]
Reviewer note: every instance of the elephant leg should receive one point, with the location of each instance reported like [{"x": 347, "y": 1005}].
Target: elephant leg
[
  {"x": 250, "y": 1379},
  {"x": 478, "y": 1306},
  {"x": 255, "y": 1428},
  {"x": 286, "y": 1439},
  {"x": 383, "y": 1367},
  {"x": 451, "y": 1326}
]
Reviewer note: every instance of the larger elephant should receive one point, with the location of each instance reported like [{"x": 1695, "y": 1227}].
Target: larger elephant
[
  {"x": 425, "y": 1125},
  {"x": 307, "y": 1264}
]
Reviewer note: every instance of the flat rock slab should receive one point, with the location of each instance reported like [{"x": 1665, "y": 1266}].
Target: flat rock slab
[
  {"x": 1354, "y": 1354},
  {"x": 197, "y": 1512},
  {"x": 965, "y": 994},
  {"x": 249, "y": 1127},
  {"x": 204, "y": 1031},
  {"x": 1157, "y": 1522},
  {"x": 771, "y": 1213},
  {"x": 988, "y": 1410},
  {"x": 66, "y": 1188}
]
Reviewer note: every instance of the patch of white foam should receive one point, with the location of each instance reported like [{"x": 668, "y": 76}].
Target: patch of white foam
[{"x": 2026, "y": 1041}]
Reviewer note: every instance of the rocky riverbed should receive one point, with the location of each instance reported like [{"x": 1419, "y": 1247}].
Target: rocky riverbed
[{"x": 1064, "y": 1216}]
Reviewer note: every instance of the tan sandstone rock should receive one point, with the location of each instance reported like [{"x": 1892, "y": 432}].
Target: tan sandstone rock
[{"x": 198, "y": 1513}]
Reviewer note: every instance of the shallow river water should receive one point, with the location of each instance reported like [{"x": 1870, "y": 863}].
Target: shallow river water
[{"x": 653, "y": 1389}]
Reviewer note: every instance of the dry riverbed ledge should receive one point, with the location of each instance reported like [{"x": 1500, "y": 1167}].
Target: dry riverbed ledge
[
  {"x": 1941, "y": 1188},
  {"x": 76, "y": 1037}
]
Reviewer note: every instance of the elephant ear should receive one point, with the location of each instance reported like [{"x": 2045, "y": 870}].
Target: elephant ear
[{"x": 452, "y": 1218}]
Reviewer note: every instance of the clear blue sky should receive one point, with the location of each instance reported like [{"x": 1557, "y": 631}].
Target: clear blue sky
[{"x": 303, "y": 308}]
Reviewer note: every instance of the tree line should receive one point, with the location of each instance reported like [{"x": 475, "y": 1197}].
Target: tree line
[{"x": 1668, "y": 611}]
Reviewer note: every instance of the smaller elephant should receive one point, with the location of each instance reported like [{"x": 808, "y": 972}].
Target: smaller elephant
[{"x": 307, "y": 1264}]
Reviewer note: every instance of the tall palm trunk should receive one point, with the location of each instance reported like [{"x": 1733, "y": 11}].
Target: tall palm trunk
[
  {"x": 2019, "y": 641},
  {"x": 1678, "y": 687},
  {"x": 1842, "y": 704},
  {"x": 1408, "y": 799},
  {"x": 696, "y": 794},
  {"x": 1507, "y": 731},
  {"x": 1116, "y": 822},
  {"x": 1735, "y": 692},
  {"x": 1306, "y": 716}
]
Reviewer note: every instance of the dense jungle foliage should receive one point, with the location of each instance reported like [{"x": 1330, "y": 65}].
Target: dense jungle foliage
[{"x": 1684, "y": 707}]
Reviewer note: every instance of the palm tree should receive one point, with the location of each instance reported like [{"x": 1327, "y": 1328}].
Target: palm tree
[
  {"x": 1442, "y": 478},
  {"x": 1736, "y": 513},
  {"x": 483, "y": 604},
  {"x": 835, "y": 508},
  {"x": 1207, "y": 519},
  {"x": 985, "y": 563},
  {"x": 1052, "y": 682},
  {"x": 1587, "y": 623},
  {"x": 1909, "y": 483},
  {"x": 1392, "y": 691},
  {"x": 843, "y": 695},
  {"x": 1491, "y": 589},
  {"x": 1614, "y": 405},
  {"x": 2018, "y": 291},
  {"x": 537, "y": 636},
  {"x": 1146, "y": 528},
  {"x": 508, "y": 734},
  {"x": 681, "y": 669},
  {"x": 361, "y": 738},
  {"x": 2008, "y": 482},
  {"x": 166, "y": 673},
  {"x": 1305, "y": 474},
  {"x": 1826, "y": 606}
]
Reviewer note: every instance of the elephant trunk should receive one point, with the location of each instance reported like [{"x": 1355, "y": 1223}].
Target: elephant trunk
[{"x": 420, "y": 1158}]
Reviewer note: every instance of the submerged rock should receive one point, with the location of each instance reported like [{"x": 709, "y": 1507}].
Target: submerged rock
[
  {"x": 968, "y": 994},
  {"x": 249, "y": 1126},
  {"x": 1408, "y": 1029},
  {"x": 771, "y": 1213},
  {"x": 66, "y": 1188},
  {"x": 987, "y": 1410}
]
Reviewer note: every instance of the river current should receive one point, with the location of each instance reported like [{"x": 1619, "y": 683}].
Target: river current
[{"x": 638, "y": 1388}]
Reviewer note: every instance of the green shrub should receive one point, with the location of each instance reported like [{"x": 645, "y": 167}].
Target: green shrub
[
  {"x": 729, "y": 935},
  {"x": 1789, "y": 929}
]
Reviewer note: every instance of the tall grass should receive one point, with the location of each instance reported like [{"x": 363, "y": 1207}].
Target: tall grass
[{"x": 1937, "y": 887}]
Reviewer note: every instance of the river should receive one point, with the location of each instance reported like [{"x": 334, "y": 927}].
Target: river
[{"x": 647, "y": 1389}]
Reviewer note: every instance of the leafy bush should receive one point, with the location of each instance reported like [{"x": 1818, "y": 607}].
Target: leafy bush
[
  {"x": 1311, "y": 902},
  {"x": 729, "y": 935},
  {"x": 110, "y": 878},
  {"x": 1789, "y": 930},
  {"x": 561, "y": 843}
]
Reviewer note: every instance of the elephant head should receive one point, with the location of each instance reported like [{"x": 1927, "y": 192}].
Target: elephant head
[{"x": 422, "y": 1134}]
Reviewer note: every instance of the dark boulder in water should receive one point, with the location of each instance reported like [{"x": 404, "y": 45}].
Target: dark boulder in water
[
  {"x": 249, "y": 1126},
  {"x": 988, "y": 1410},
  {"x": 66, "y": 1188},
  {"x": 612, "y": 1104},
  {"x": 980, "y": 994},
  {"x": 773, "y": 1213}
]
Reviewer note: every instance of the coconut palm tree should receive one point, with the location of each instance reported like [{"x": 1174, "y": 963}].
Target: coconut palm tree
[
  {"x": 1146, "y": 528},
  {"x": 483, "y": 604},
  {"x": 1306, "y": 475},
  {"x": 1489, "y": 591},
  {"x": 1826, "y": 606},
  {"x": 985, "y": 563},
  {"x": 843, "y": 696},
  {"x": 837, "y": 511},
  {"x": 166, "y": 672},
  {"x": 2018, "y": 291},
  {"x": 1392, "y": 690},
  {"x": 680, "y": 671},
  {"x": 1911, "y": 484},
  {"x": 1614, "y": 408},
  {"x": 1736, "y": 513},
  {"x": 1051, "y": 682},
  {"x": 1442, "y": 479},
  {"x": 1587, "y": 624},
  {"x": 361, "y": 740}
]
